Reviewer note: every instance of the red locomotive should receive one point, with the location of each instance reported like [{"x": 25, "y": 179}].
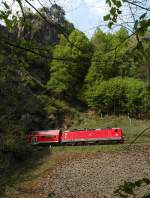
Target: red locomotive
[{"x": 77, "y": 136}]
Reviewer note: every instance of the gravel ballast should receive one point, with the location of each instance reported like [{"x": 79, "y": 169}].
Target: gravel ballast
[
  {"x": 99, "y": 175},
  {"x": 95, "y": 175}
]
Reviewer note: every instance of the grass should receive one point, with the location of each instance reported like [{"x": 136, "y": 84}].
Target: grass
[{"x": 23, "y": 170}]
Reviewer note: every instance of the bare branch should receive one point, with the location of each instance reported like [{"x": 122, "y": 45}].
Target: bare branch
[{"x": 138, "y": 5}]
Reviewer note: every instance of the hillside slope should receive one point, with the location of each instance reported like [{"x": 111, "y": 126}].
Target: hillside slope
[{"x": 76, "y": 171}]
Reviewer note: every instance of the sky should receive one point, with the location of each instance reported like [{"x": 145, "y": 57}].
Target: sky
[{"x": 86, "y": 15}]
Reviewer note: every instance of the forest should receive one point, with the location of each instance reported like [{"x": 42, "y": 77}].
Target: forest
[{"x": 50, "y": 71}]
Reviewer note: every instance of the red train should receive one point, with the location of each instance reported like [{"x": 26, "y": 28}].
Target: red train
[{"x": 76, "y": 137}]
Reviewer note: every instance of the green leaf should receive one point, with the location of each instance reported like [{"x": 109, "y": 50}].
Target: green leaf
[
  {"x": 118, "y": 4},
  {"x": 6, "y": 5},
  {"x": 114, "y": 19},
  {"x": 144, "y": 24},
  {"x": 108, "y": 2},
  {"x": 113, "y": 10},
  {"x": 114, "y": 1},
  {"x": 106, "y": 17},
  {"x": 119, "y": 11},
  {"x": 139, "y": 46},
  {"x": 143, "y": 15},
  {"x": 110, "y": 24},
  {"x": 8, "y": 23},
  {"x": 136, "y": 24}
]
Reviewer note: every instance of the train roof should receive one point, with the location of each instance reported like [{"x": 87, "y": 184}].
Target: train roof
[
  {"x": 45, "y": 131},
  {"x": 86, "y": 129}
]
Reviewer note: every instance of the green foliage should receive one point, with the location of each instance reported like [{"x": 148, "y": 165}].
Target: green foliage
[
  {"x": 115, "y": 10},
  {"x": 141, "y": 24},
  {"x": 20, "y": 107},
  {"x": 105, "y": 64},
  {"x": 109, "y": 61},
  {"x": 67, "y": 74},
  {"x": 119, "y": 96},
  {"x": 23, "y": 79},
  {"x": 128, "y": 188},
  {"x": 55, "y": 110},
  {"x": 33, "y": 28}
]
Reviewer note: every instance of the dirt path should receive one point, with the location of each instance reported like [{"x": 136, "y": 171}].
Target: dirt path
[{"x": 93, "y": 175}]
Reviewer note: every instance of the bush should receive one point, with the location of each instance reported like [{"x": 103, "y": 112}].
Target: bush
[{"x": 119, "y": 95}]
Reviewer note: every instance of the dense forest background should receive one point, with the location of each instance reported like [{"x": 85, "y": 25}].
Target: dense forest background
[{"x": 51, "y": 70}]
